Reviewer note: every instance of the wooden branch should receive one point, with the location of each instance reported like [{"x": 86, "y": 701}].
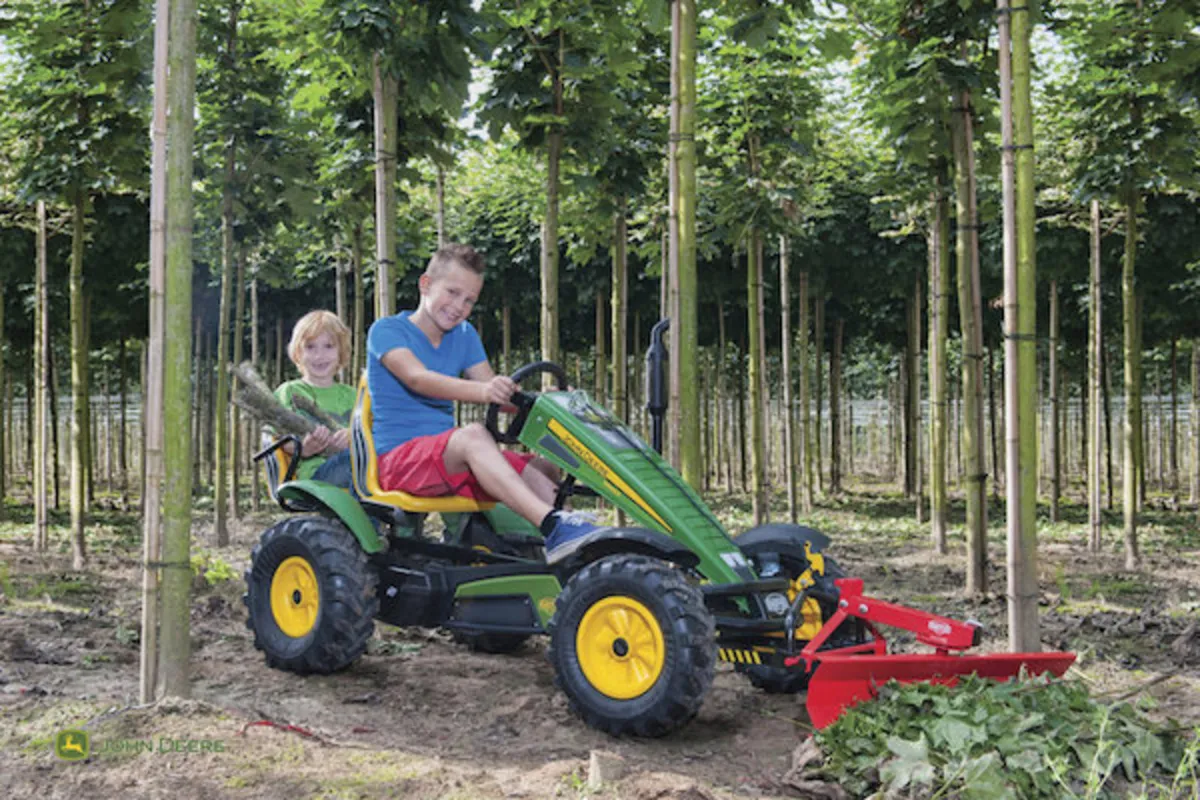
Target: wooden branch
[
  {"x": 255, "y": 397},
  {"x": 307, "y": 405}
]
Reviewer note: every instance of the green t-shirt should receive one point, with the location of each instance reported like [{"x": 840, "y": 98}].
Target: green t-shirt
[{"x": 336, "y": 400}]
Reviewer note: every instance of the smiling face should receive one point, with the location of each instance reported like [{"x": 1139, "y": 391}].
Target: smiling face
[
  {"x": 319, "y": 360},
  {"x": 448, "y": 297}
]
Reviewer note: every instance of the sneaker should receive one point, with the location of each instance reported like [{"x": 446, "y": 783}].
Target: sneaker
[{"x": 569, "y": 526}]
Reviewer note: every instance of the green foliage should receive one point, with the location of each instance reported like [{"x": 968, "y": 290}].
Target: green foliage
[{"x": 982, "y": 739}]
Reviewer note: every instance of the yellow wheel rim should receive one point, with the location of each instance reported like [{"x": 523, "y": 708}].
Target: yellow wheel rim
[
  {"x": 295, "y": 597},
  {"x": 620, "y": 647}
]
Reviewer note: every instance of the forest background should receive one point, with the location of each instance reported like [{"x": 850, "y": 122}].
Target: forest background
[{"x": 837, "y": 339}]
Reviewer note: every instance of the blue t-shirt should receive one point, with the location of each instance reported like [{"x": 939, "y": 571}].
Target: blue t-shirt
[{"x": 399, "y": 413}]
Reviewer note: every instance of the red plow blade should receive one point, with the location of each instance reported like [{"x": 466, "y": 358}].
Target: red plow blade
[
  {"x": 840, "y": 681},
  {"x": 847, "y": 675}
]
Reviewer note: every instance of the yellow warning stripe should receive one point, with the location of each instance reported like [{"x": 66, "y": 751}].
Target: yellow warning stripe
[
  {"x": 738, "y": 656},
  {"x": 594, "y": 461}
]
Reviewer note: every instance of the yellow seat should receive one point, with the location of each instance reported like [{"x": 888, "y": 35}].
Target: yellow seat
[
  {"x": 364, "y": 465},
  {"x": 277, "y": 462}
]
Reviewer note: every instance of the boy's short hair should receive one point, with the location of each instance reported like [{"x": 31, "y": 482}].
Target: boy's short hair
[
  {"x": 462, "y": 254},
  {"x": 312, "y": 325}
]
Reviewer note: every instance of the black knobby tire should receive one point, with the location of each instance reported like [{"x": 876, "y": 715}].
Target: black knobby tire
[
  {"x": 781, "y": 680},
  {"x": 346, "y": 600},
  {"x": 688, "y": 638}
]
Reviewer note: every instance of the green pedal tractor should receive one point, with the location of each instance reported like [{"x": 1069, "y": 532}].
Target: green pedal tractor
[{"x": 637, "y": 616}]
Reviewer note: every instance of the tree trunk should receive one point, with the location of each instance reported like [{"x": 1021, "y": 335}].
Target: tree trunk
[
  {"x": 1133, "y": 416},
  {"x": 818, "y": 382},
  {"x": 1095, "y": 384},
  {"x": 79, "y": 389},
  {"x": 123, "y": 434},
  {"x": 1020, "y": 326},
  {"x": 684, "y": 340},
  {"x": 152, "y": 388},
  {"x": 386, "y": 89},
  {"x": 1195, "y": 419},
  {"x": 358, "y": 332},
  {"x": 41, "y": 340},
  {"x": 441, "y": 207},
  {"x": 6, "y": 417},
  {"x": 914, "y": 396},
  {"x": 235, "y": 428},
  {"x": 1055, "y": 443},
  {"x": 758, "y": 494},
  {"x": 175, "y": 646},
  {"x": 1174, "y": 434},
  {"x": 997, "y": 461},
  {"x": 55, "y": 467},
  {"x": 620, "y": 314},
  {"x": 785, "y": 327},
  {"x": 835, "y": 409},
  {"x": 967, "y": 252},
  {"x": 806, "y": 479},
  {"x": 939, "y": 305},
  {"x": 601, "y": 365},
  {"x": 549, "y": 259},
  {"x": 255, "y": 428},
  {"x": 221, "y": 438},
  {"x": 1106, "y": 379}
]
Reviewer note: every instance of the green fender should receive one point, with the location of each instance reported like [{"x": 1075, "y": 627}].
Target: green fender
[{"x": 337, "y": 503}]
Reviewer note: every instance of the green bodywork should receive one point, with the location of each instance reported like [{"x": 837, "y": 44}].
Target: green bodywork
[
  {"x": 339, "y": 504},
  {"x": 541, "y": 589},
  {"x": 602, "y": 453}
]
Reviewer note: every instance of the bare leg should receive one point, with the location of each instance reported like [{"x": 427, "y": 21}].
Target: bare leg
[
  {"x": 474, "y": 448},
  {"x": 542, "y": 485}
]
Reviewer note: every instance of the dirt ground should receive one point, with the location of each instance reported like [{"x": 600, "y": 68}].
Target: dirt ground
[{"x": 421, "y": 717}]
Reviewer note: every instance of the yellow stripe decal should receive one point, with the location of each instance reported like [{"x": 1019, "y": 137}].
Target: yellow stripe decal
[{"x": 593, "y": 461}]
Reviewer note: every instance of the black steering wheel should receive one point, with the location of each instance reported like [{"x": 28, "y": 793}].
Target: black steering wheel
[{"x": 522, "y": 400}]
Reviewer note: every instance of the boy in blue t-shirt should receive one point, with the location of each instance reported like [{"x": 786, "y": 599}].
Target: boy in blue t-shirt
[{"x": 414, "y": 363}]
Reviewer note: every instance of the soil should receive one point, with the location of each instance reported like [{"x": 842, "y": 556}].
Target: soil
[{"x": 422, "y": 717}]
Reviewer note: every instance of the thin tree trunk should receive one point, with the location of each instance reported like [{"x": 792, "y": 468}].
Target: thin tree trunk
[
  {"x": 1174, "y": 435},
  {"x": 549, "y": 259},
  {"x": 1195, "y": 419},
  {"x": 235, "y": 428},
  {"x": 1106, "y": 379},
  {"x": 220, "y": 461},
  {"x": 255, "y": 428},
  {"x": 939, "y": 305},
  {"x": 441, "y": 207},
  {"x": 997, "y": 461},
  {"x": 835, "y": 410},
  {"x": 1055, "y": 443},
  {"x": 56, "y": 467},
  {"x": 806, "y": 476},
  {"x": 175, "y": 647},
  {"x": 386, "y": 89},
  {"x": 1133, "y": 416},
  {"x": 967, "y": 249},
  {"x": 785, "y": 314},
  {"x": 79, "y": 389},
  {"x": 1095, "y": 384},
  {"x": 601, "y": 365},
  {"x": 152, "y": 387},
  {"x": 359, "y": 361},
  {"x": 818, "y": 383},
  {"x": 41, "y": 340},
  {"x": 757, "y": 422},
  {"x": 914, "y": 394},
  {"x": 1020, "y": 319}
]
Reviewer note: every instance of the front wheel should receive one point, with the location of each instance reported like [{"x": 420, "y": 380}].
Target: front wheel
[
  {"x": 310, "y": 592},
  {"x": 632, "y": 645}
]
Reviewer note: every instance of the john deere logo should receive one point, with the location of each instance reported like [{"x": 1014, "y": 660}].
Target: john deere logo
[{"x": 72, "y": 745}]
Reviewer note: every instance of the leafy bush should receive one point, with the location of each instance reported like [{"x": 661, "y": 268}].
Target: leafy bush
[{"x": 1020, "y": 739}]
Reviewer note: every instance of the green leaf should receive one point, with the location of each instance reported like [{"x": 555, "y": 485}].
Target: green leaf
[{"x": 911, "y": 765}]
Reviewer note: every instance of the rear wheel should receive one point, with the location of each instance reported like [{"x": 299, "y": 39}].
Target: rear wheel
[
  {"x": 310, "y": 592},
  {"x": 632, "y": 645}
]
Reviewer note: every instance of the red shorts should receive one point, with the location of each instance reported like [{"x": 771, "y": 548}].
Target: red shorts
[{"x": 418, "y": 468}]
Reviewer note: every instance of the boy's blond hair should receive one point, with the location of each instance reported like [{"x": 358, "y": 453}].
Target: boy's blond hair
[
  {"x": 462, "y": 254},
  {"x": 312, "y": 325}
]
